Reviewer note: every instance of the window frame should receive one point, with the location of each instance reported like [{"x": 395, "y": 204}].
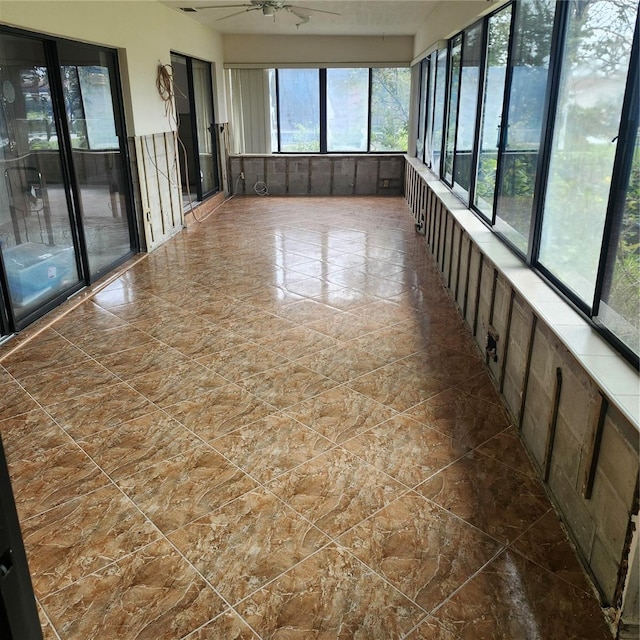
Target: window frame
[
  {"x": 322, "y": 85},
  {"x": 550, "y": 110}
]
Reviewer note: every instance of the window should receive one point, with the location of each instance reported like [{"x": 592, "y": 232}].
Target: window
[
  {"x": 299, "y": 109},
  {"x": 422, "y": 108},
  {"x": 430, "y": 107},
  {"x": 591, "y": 92},
  {"x": 519, "y": 158},
  {"x": 557, "y": 161},
  {"x": 452, "y": 118},
  {"x": 390, "y": 89},
  {"x": 499, "y": 30},
  {"x": 439, "y": 92},
  {"x": 469, "y": 81},
  {"x": 347, "y": 109},
  {"x": 617, "y": 305},
  {"x": 342, "y": 110}
]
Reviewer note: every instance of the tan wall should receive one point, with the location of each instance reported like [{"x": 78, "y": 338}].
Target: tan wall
[{"x": 269, "y": 51}]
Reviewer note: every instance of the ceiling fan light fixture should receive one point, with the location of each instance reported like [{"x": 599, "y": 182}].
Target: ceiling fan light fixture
[{"x": 268, "y": 11}]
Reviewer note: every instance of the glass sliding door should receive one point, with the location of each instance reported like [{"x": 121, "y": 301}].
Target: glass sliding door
[
  {"x": 193, "y": 94},
  {"x": 96, "y": 135},
  {"x": 37, "y": 238},
  {"x": 205, "y": 126}
]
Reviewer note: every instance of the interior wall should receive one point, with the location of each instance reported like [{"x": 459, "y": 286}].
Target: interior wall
[
  {"x": 319, "y": 175},
  {"x": 270, "y": 51},
  {"x": 144, "y": 32}
]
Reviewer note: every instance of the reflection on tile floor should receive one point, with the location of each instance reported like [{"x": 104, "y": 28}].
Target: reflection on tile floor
[{"x": 275, "y": 426}]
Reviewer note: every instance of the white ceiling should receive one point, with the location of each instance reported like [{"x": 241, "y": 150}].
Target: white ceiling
[{"x": 357, "y": 17}]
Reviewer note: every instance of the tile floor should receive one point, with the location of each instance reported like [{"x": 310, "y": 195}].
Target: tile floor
[{"x": 277, "y": 426}]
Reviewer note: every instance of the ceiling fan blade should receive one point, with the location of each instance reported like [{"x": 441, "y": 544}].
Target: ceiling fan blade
[
  {"x": 237, "y": 13},
  {"x": 221, "y": 6},
  {"x": 293, "y": 6},
  {"x": 303, "y": 19}
]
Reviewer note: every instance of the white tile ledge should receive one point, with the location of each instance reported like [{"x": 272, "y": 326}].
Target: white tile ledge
[{"x": 608, "y": 369}]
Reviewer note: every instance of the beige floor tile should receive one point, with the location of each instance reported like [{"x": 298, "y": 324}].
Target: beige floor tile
[
  {"x": 242, "y": 361},
  {"x": 82, "y": 536},
  {"x": 423, "y": 550},
  {"x": 397, "y": 387},
  {"x": 172, "y": 493},
  {"x": 211, "y": 415},
  {"x": 405, "y": 449},
  {"x": 340, "y": 413},
  {"x": 287, "y": 384},
  {"x": 281, "y": 423},
  {"x": 336, "y": 490},
  {"x": 107, "y": 406},
  {"x": 330, "y": 595},
  {"x": 153, "y": 594},
  {"x": 491, "y": 496},
  {"x": 247, "y": 543},
  {"x": 227, "y": 625},
  {"x": 135, "y": 445},
  {"x": 270, "y": 446},
  {"x": 461, "y": 416},
  {"x": 514, "y": 598},
  {"x": 47, "y": 479},
  {"x": 183, "y": 381}
]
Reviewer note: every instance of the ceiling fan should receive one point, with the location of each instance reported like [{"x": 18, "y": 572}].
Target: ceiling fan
[{"x": 268, "y": 8}]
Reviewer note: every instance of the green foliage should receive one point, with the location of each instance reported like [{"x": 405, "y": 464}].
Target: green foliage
[{"x": 624, "y": 295}]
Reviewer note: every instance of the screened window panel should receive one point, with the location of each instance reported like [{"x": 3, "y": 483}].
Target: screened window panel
[
  {"x": 592, "y": 86},
  {"x": 530, "y": 70},
  {"x": 452, "y": 118},
  {"x": 438, "y": 110},
  {"x": 428, "y": 144},
  {"x": 299, "y": 110},
  {"x": 499, "y": 29},
  {"x": 390, "y": 91},
  {"x": 619, "y": 309},
  {"x": 422, "y": 109},
  {"x": 347, "y": 109},
  {"x": 469, "y": 81}
]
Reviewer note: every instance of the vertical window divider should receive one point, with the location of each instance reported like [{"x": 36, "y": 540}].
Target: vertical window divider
[
  {"x": 323, "y": 110},
  {"x": 558, "y": 39},
  {"x": 278, "y": 109},
  {"x": 369, "y": 110},
  {"x": 445, "y": 112}
]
